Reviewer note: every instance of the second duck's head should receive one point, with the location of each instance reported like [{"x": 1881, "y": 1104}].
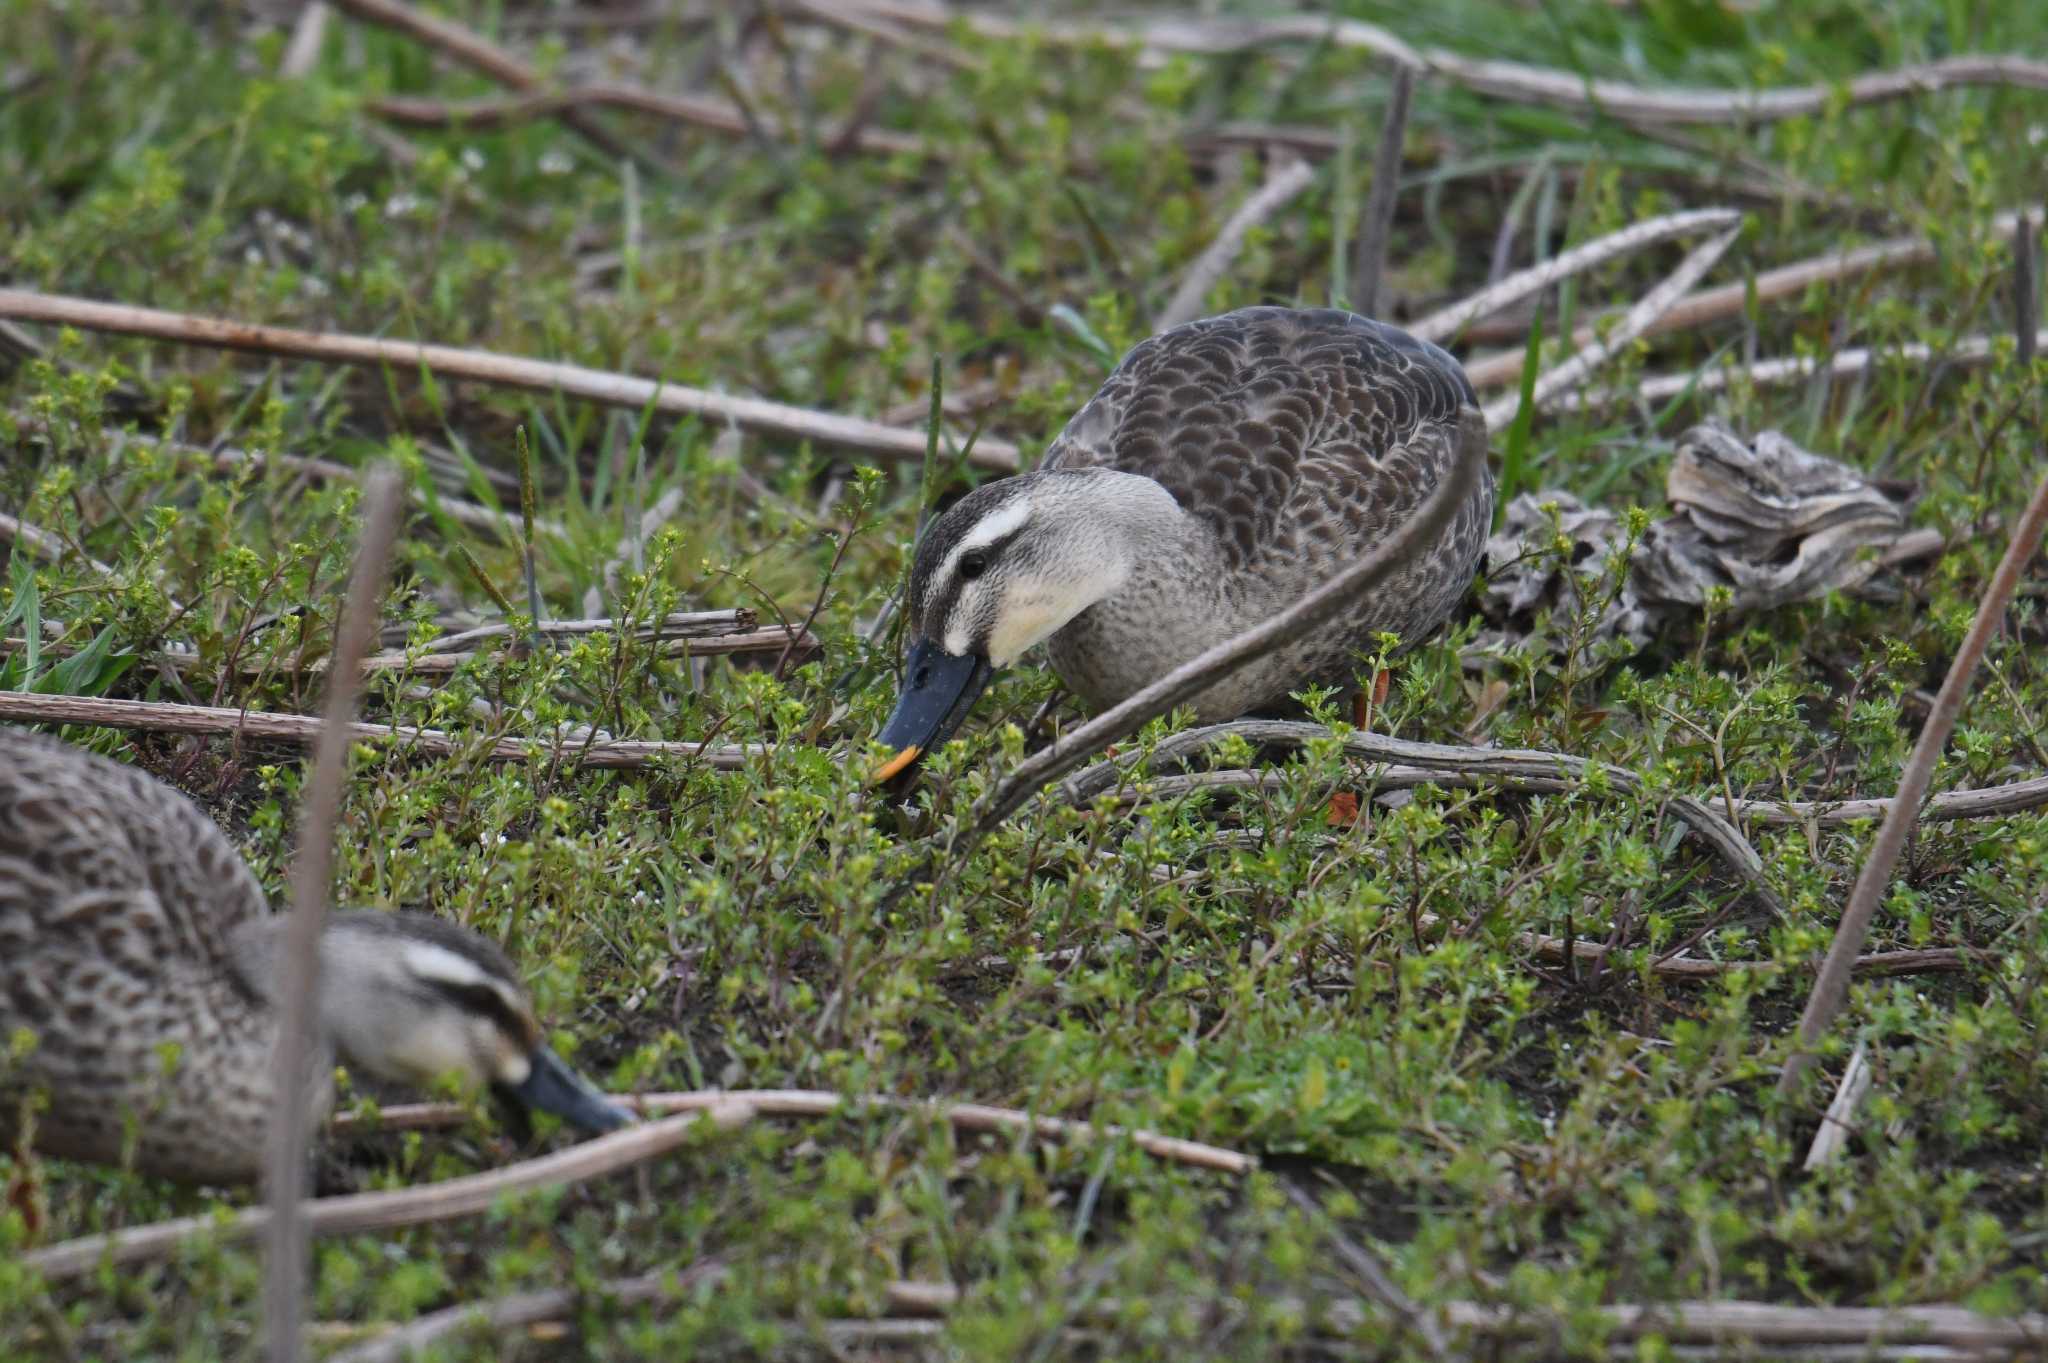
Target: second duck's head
[
  {"x": 1004, "y": 568},
  {"x": 412, "y": 998}
]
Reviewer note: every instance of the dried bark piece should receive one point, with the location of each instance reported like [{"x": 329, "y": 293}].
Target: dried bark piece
[{"x": 1771, "y": 522}]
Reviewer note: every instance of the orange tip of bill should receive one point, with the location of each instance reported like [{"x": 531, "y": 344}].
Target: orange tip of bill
[{"x": 901, "y": 760}]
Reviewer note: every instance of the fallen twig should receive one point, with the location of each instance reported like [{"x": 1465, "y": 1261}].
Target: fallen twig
[
  {"x": 509, "y": 371},
  {"x": 821, "y": 1103},
  {"x": 1506, "y": 80},
  {"x": 1831, "y": 988},
  {"x": 356, "y": 1212},
  {"x": 1530, "y": 769},
  {"x": 1278, "y": 191},
  {"x": 299, "y": 963},
  {"x": 522, "y": 1308},
  {"x": 165, "y": 717},
  {"x": 1653, "y": 305}
]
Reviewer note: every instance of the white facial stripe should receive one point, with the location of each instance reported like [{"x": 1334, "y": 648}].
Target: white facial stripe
[
  {"x": 1005, "y": 520},
  {"x": 431, "y": 962}
]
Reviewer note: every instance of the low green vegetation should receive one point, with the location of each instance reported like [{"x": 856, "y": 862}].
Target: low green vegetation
[{"x": 1358, "y": 1003}]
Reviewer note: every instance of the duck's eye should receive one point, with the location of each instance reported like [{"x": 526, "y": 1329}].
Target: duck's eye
[{"x": 973, "y": 565}]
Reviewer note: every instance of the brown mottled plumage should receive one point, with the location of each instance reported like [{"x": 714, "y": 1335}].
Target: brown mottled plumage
[
  {"x": 139, "y": 953},
  {"x": 1225, "y": 469}
]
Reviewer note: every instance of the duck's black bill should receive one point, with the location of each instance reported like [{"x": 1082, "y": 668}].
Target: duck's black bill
[
  {"x": 551, "y": 1086},
  {"x": 939, "y": 688}
]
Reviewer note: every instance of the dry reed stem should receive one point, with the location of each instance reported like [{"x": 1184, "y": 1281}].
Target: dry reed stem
[
  {"x": 694, "y": 110},
  {"x": 309, "y": 34},
  {"x": 1836, "y": 1123},
  {"x": 1502, "y": 79},
  {"x": 389, "y": 1210},
  {"x": 166, "y": 717},
  {"x": 230, "y": 460},
  {"x": 45, "y": 545},
  {"x": 1655, "y": 304},
  {"x": 312, "y": 882},
  {"x": 1376, "y": 222},
  {"x": 1831, "y": 988},
  {"x": 1729, "y": 300},
  {"x": 1279, "y": 190},
  {"x": 522, "y": 1309},
  {"x": 1843, "y": 364},
  {"x": 507, "y": 371},
  {"x": 1987, "y": 802},
  {"x": 1529, "y": 768},
  {"x": 480, "y": 54},
  {"x": 822, "y": 1103}
]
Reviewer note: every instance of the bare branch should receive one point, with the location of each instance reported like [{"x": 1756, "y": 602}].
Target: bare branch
[
  {"x": 1831, "y": 989},
  {"x": 1278, "y": 191},
  {"x": 312, "y": 876},
  {"x": 820, "y": 1103},
  {"x": 357, "y": 1212},
  {"x": 165, "y": 717},
  {"x": 509, "y": 371}
]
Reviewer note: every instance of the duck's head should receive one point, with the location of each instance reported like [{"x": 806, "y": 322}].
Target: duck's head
[
  {"x": 411, "y": 998},
  {"x": 1005, "y": 567}
]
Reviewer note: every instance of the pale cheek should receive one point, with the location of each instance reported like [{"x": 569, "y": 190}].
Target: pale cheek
[
  {"x": 1024, "y": 623},
  {"x": 432, "y": 1052},
  {"x": 514, "y": 1068}
]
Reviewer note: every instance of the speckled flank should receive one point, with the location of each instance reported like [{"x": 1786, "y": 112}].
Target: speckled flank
[
  {"x": 139, "y": 951},
  {"x": 1293, "y": 441},
  {"x": 118, "y": 900}
]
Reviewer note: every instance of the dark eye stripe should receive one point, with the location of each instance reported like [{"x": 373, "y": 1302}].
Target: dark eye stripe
[
  {"x": 942, "y": 608},
  {"x": 485, "y": 1001}
]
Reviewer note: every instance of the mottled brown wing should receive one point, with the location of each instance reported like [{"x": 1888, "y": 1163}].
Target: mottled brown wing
[
  {"x": 104, "y": 861},
  {"x": 1289, "y": 431}
]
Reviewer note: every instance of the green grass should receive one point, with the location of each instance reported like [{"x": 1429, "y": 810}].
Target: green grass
[{"x": 1229, "y": 969}]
